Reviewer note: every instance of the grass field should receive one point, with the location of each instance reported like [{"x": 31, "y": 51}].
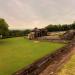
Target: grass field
[
  {"x": 69, "y": 68},
  {"x": 16, "y": 53}
]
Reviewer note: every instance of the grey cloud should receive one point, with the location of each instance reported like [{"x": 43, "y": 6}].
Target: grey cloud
[{"x": 32, "y": 13}]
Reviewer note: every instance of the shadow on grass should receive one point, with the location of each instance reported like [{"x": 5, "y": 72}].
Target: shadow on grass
[{"x": 3, "y": 42}]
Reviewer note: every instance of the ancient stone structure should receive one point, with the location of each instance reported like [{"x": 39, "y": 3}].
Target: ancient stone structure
[
  {"x": 68, "y": 35},
  {"x": 31, "y": 35},
  {"x": 35, "y": 33},
  {"x": 42, "y": 34}
]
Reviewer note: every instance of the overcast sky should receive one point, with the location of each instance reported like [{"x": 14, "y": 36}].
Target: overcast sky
[{"x": 22, "y": 14}]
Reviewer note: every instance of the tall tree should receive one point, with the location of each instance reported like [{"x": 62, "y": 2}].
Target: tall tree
[
  {"x": 73, "y": 25},
  {"x": 3, "y": 27}
]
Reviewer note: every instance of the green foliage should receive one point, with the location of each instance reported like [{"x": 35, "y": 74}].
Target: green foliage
[
  {"x": 59, "y": 27},
  {"x": 25, "y": 32},
  {"x": 3, "y": 27},
  {"x": 18, "y": 33},
  {"x": 73, "y": 25}
]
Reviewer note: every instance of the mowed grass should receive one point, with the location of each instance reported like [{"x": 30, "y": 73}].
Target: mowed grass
[
  {"x": 69, "y": 67},
  {"x": 17, "y": 53}
]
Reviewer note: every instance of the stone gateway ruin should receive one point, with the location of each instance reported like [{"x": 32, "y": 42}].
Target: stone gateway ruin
[
  {"x": 43, "y": 35},
  {"x": 35, "y": 33}
]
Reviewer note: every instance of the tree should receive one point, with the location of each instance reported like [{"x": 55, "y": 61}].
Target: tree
[
  {"x": 73, "y": 25},
  {"x": 27, "y": 31},
  {"x": 3, "y": 28},
  {"x": 60, "y": 27}
]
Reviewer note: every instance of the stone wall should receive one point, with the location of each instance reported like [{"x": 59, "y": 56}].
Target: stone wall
[{"x": 37, "y": 33}]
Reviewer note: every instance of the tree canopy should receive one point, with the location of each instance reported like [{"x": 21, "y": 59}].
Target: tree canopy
[
  {"x": 3, "y": 27},
  {"x": 60, "y": 27}
]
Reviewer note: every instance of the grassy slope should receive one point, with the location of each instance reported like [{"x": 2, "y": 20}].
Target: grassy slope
[
  {"x": 16, "y": 53},
  {"x": 69, "y": 68}
]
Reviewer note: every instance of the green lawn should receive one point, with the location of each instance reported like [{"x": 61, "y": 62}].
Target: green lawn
[
  {"x": 16, "y": 53},
  {"x": 69, "y": 67}
]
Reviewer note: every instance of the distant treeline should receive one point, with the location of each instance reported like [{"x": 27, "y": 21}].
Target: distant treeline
[
  {"x": 59, "y": 27},
  {"x": 6, "y": 33},
  {"x": 17, "y": 33},
  {"x": 50, "y": 28}
]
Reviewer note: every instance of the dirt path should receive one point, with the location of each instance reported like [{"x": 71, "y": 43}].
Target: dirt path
[{"x": 54, "y": 67}]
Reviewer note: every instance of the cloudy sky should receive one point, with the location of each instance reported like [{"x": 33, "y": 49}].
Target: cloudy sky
[{"x": 22, "y": 14}]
